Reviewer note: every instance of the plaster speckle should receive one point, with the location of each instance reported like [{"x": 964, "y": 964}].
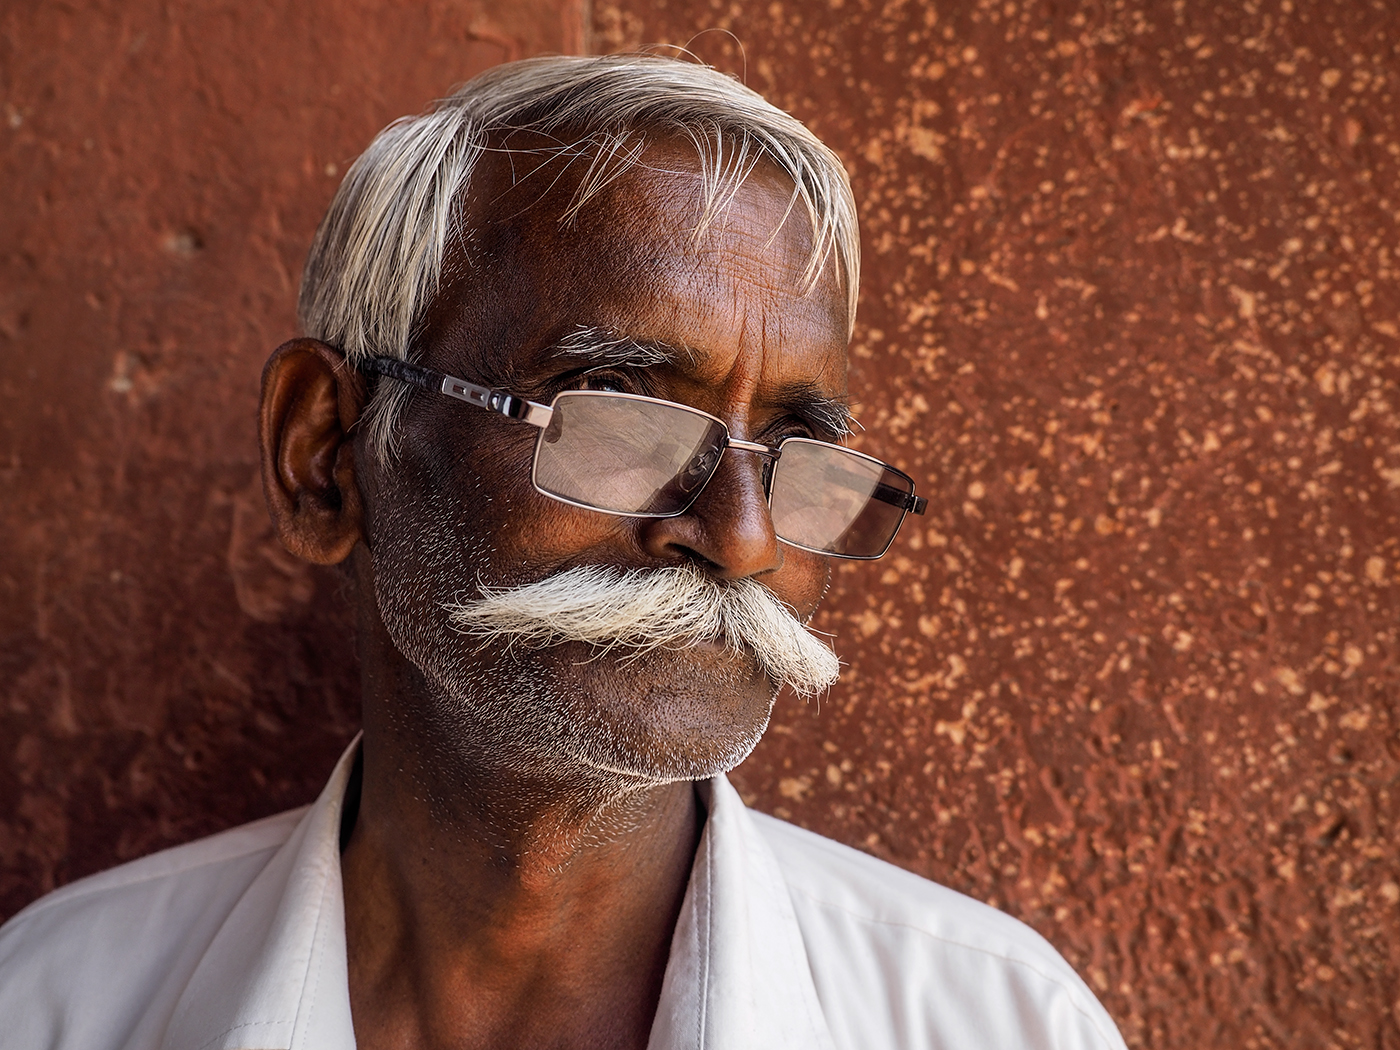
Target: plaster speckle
[{"x": 1130, "y": 318}]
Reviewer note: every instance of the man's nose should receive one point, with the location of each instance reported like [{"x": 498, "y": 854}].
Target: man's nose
[{"x": 729, "y": 529}]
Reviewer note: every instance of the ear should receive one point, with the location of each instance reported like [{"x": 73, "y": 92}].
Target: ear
[{"x": 310, "y": 400}]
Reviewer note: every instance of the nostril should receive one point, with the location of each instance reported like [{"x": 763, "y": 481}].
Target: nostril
[{"x": 694, "y": 557}]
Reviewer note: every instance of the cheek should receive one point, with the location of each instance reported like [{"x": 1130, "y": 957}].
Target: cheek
[
  {"x": 474, "y": 485},
  {"x": 534, "y": 536},
  {"x": 801, "y": 582}
]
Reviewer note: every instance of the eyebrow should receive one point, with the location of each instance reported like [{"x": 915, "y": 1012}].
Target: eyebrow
[
  {"x": 822, "y": 412},
  {"x": 599, "y": 346}
]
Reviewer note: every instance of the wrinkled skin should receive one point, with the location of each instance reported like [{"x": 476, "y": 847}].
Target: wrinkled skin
[{"x": 526, "y": 827}]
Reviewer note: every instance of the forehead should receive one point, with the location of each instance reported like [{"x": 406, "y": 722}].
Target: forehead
[{"x": 642, "y": 259}]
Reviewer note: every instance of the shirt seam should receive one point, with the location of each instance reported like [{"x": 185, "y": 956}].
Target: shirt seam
[
  {"x": 1058, "y": 983},
  {"x": 234, "y": 1028},
  {"x": 702, "y": 1020},
  {"x": 306, "y": 1003}
]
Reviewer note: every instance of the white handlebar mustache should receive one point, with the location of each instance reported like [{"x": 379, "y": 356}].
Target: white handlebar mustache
[{"x": 645, "y": 609}]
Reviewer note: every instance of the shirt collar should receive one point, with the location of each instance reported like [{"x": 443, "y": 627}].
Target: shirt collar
[
  {"x": 275, "y": 975},
  {"x": 738, "y": 977}
]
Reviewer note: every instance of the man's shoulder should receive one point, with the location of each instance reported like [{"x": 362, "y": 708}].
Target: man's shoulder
[
  {"x": 105, "y": 950},
  {"x": 832, "y": 875},
  {"x": 192, "y": 864},
  {"x": 937, "y": 958}
]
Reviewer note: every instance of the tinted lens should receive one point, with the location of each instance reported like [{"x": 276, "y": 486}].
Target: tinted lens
[
  {"x": 625, "y": 454},
  {"x": 834, "y": 500}
]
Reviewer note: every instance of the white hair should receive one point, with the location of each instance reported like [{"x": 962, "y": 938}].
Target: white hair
[
  {"x": 646, "y": 609},
  {"x": 375, "y": 264}
]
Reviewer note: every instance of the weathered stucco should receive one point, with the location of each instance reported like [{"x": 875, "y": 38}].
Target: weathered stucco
[
  {"x": 165, "y": 668},
  {"x": 1130, "y": 317}
]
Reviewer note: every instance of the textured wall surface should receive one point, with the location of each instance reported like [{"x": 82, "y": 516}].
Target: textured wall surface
[
  {"x": 1130, "y": 313},
  {"x": 165, "y": 669},
  {"x": 1130, "y": 316}
]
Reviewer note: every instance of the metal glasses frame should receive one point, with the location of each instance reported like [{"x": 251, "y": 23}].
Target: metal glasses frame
[{"x": 538, "y": 415}]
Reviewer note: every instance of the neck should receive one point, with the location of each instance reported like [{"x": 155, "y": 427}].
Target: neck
[{"x": 493, "y": 905}]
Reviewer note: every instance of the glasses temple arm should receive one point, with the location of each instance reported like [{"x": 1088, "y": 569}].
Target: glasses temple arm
[
  {"x": 497, "y": 401},
  {"x": 904, "y": 500}
]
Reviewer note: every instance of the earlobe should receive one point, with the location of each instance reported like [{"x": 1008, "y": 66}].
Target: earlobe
[{"x": 310, "y": 400}]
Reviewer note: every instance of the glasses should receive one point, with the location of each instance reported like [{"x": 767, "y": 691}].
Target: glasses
[{"x": 642, "y": 457}]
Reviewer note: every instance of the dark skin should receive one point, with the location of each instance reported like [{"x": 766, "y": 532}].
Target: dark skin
[{"x": 493, "y": 900}]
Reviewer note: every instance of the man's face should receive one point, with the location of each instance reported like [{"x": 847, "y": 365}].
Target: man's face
[{"x": 456, "y": 509}]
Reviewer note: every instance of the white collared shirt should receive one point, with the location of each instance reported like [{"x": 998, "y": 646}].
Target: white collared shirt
[{"x": 785, "y": 940}]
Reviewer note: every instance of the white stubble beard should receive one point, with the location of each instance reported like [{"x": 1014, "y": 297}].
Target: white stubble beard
[{"x": 513, "y": 709}]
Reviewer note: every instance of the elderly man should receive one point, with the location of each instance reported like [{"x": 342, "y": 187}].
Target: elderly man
[{"x": 568, "y": 410}]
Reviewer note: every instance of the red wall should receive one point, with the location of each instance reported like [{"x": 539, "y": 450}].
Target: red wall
[
  {"x": 165, "y": 668},
  {"x": 1130, "y": 316}
]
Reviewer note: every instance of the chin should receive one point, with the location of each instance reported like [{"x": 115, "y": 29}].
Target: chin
[
  {"x": 634, "y": 719},
  {"x": 684, "y": 714}
]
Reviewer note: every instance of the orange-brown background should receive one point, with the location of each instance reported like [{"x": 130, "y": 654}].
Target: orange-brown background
[{"x": 1130, "y": 315}]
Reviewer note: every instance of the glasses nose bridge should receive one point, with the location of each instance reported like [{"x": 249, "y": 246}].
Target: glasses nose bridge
[{"x": 767, "y": 453}]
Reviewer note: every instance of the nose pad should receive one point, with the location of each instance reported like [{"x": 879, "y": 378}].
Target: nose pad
[
  {"x": 699, "y": 470},
  {"x": 770, "y": 464},
  {"x": 554, "y": 430},
  {"x": 681, "y": 490}
]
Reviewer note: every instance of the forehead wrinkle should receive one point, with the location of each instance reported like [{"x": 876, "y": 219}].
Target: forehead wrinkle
[
  {"x": 757, "y": 294},
  {"x": 753, "y": 334},
  {"x": 757, "y": 379}
]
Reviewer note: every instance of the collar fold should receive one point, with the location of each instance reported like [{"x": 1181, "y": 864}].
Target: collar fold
[
  {"x": 738, "y": 976},
  {"x": 275, "y": 975}
]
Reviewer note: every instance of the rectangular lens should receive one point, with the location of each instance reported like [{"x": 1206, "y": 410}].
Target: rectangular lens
[
  {"x": 831, "y": 499},
  {"x": 625, "y": 454}
]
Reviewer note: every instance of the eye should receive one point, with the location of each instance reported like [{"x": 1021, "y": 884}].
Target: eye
[
  {"x": 608, "y": 380},
  {"x": 605, "y": 381},
  {"x": 790, "y": 427}
]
